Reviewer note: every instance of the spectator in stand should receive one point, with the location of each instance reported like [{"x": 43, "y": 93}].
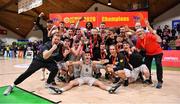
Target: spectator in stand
[
  {"x": 7, "y": 50},
  {"x": 167, "y": 38},
  {"x": 0, "y": 48},
  {"x": 24, "y": 50},
  {"x": 166, "y": 30},
  {"x": 177, "y": 42},
  {"x": 164, "y": 45},
  {"x": 173, "y": 32},
  {"x": 178, "y": 28},
  {"x": 166, "y": 33},
  {"x": 11, "y": 52},
  {"x": 15, "y": 50},
  {"x": 159, "y": 31},
  {"x": 4, "y": 49}
]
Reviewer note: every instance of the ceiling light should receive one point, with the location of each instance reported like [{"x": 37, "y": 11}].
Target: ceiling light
[
  {"x": 17, "y": 28},
  {"x": 109, "y": 2}
]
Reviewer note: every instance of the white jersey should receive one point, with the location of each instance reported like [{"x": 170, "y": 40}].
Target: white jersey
[{"x": 86, "y": 70}]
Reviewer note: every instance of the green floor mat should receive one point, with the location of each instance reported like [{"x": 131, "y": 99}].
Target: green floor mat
[{"x": 22, "y": 97}]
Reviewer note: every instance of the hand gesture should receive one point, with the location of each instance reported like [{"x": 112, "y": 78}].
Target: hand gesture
[
  {"x": 67, "y": 63},
  {"x": 67, "y": 51},
  {"x": 54, "y": 26},
  {"x": 80, "y": 43},
  {"x": 41, "y": 14},
  {"x": 82, "y": 18},
  {"x": 54, "y": 47},
  {"x": 146, "y": 22},
  {"x": 133, "y": 48},
  {"x": 126, "y": 28},
  {"x": 104, "y": 61}
]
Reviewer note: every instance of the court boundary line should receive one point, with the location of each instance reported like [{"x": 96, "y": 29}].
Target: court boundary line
[{"x": 36, "y": 95}]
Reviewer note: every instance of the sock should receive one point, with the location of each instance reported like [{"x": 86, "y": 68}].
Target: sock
[
  {"x": 146, "y": 78},
  {"x": 62, "y": 89},
  {"x": 13, "y": 85},
  {"x": 108, "y": 88}
]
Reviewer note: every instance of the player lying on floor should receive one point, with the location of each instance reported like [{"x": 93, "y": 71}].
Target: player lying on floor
[{"x": 86, "y": 76}]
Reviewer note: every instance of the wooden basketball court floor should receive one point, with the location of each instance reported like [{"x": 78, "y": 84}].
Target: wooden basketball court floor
[{"x": 135, "y": 93}]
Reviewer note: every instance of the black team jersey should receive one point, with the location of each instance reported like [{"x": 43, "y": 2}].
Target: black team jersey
[
  {"x": 119, "y": 61},
  {"x": 56, "y": 56}
]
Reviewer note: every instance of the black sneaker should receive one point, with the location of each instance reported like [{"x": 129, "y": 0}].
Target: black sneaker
[
  {"x": 116, "y": 79},
  {"x": 54, "y": 90},
  {"x": 115, "y": 87},
  {"x": 126, "y": 83},
  {"x": 148, "y": 81},
  {"x": 159, "y": 85},
  {"x": 8, "y": 90}
]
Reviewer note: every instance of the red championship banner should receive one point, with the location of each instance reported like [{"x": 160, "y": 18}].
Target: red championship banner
[
  {"x": 112, "y": 19},
  {"x": 171, "y": 58}
]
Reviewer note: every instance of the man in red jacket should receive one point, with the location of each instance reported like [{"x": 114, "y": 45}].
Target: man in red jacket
[{"x": 149, "y": 42}]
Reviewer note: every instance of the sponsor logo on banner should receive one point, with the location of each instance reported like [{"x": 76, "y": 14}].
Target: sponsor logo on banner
[
  {"x": 25, "y": 5},
  {"x": 175, "y": 59},
  {"x": 171, "y": 58}
]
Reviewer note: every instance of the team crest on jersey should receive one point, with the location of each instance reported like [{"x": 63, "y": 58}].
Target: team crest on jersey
[{"x": 86, "y": 69}]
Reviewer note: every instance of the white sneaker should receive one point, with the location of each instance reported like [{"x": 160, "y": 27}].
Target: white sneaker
[
  {"x": 8, "y": 90},
  {"x": 46, "y": 85}
]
